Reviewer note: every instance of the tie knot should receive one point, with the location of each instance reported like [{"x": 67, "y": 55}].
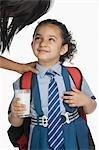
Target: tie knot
[{"x": 50, "y": 73}]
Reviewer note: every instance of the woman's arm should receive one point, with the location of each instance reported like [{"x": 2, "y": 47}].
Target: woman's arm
[{"x": 18, "y": 67}]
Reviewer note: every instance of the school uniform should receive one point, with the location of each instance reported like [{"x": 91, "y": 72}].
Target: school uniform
[{"x": 76, "y": 133}]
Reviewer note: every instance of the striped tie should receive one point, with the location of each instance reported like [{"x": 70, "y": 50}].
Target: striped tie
[{"x": 55, "y": 132}]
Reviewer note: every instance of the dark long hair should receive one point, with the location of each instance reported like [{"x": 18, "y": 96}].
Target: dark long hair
[
  {"x": 66, "y": 37},
  {"x": 23, "y": 12}
]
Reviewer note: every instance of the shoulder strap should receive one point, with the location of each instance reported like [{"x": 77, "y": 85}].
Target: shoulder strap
[
  {"x": 25, "y": 83},
  {"x": 76, "y": 76},
  {"x": 26, "y": 80}
]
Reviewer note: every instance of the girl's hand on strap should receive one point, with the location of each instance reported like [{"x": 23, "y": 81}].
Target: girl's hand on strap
[{"x": 76, "y": 98}]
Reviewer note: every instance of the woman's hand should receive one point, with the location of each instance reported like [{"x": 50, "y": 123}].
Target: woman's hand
[
  {"x": 18, "y": 67},
  {"x": 27, "y": 67}
]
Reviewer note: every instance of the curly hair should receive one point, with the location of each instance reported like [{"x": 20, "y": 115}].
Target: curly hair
[
  {"x": 66, "y": 36},
  {"x": 23, "y": 12}
]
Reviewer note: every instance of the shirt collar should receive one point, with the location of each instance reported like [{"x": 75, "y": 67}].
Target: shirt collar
[{"x": 42, "y": 69}]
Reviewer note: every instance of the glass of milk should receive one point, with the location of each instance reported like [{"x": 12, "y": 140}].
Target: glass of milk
[{"x": 24, "y": 96}]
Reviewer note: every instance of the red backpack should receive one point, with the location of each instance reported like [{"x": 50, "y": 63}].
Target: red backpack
[{"x": 22, "y": 141}]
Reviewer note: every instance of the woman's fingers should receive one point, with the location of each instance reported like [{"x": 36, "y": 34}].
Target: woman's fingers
[{"x": 32, "y": 67}]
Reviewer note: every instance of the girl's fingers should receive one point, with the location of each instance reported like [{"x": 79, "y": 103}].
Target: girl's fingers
[
  {"x": 72, "y": 105},
  {"x": 67, "y": 97},
  {"x": 69, "y": 93},
  {"x": 69, "y": 101},
  {"x": 17, "y": 107},
  {"x": 75, "y": 90}
]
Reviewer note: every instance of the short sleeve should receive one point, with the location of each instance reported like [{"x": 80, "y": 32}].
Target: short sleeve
[
  {"x": 86, "y": 89},
  {"x": 16, "y": 86}
]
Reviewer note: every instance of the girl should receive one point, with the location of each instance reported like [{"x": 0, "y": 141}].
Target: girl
[{"x": 52, "y": 44}]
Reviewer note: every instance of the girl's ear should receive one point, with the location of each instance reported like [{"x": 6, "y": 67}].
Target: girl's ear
[{"x": 64, "y": 49}]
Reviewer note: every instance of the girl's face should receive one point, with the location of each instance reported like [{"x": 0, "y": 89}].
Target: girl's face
[{"x": 47, "y": 45}]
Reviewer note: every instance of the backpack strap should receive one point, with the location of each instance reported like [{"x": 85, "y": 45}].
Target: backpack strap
[
  {"x": 76, "y": 76},
  {"x": 25, "y": 83}
]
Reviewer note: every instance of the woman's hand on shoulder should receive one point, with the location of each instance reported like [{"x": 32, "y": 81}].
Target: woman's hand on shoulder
[{"x": 27, "y": 67}]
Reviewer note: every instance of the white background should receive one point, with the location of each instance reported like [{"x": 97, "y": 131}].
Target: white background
[{"x": 81, "y": 18}]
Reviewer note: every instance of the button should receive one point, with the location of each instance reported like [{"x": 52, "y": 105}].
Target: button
[
  {"x": 44, "y": 121},
  {"x": 67, "y": 117}
]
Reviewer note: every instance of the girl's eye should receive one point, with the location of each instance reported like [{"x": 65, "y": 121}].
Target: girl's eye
[
  {"x": 51, "y": 39},
  {"x": 37, "y": 38}
]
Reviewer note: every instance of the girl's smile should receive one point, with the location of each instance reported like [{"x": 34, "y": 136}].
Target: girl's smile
[{"x": 43, "y": 50}]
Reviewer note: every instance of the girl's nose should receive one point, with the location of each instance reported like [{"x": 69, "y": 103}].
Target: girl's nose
[{"x": 43, "y": 42}]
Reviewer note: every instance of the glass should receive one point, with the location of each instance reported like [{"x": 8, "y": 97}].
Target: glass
[{"x": 24, "y": 96}]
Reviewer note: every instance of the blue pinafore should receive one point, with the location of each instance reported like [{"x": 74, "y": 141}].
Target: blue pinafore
[{"x": 76, "y": 134}]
